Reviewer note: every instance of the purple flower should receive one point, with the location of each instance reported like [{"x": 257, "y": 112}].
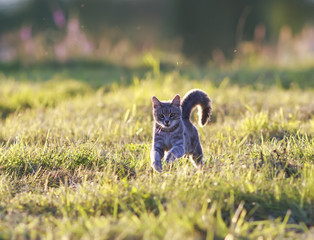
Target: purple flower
[{"x": 59, "y": 18}]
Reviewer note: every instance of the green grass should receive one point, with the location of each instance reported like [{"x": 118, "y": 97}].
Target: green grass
[{"x": 74, "y": 157}]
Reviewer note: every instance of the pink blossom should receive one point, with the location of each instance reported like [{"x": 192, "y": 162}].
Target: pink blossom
[{"x": 25, "y": 33}]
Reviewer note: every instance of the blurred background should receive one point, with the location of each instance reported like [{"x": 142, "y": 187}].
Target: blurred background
[{"x": 137, "y": 32}]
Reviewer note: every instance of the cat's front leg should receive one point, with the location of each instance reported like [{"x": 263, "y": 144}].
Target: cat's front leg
[
  {"x": 156, "y": 155},
  {"x": 174, "y": 153}
]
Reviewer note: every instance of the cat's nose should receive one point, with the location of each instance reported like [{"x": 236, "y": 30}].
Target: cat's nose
[{"x": 167, "y": 121}]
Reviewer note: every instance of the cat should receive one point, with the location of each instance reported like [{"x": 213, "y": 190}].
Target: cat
[{"x": 173, "y": 131}]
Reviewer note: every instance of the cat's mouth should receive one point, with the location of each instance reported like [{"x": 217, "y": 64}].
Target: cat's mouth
[{"x": 167, "y": 124}]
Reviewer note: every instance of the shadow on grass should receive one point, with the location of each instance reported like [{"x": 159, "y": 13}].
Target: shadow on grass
[
  {"x": 99, "y": 73},
  {"x": 96, "y": 74}
]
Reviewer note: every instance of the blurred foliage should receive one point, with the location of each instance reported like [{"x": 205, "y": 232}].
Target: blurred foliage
[
  {"x": 206, "y": 28},
  {"x": 211, "y": 25}
]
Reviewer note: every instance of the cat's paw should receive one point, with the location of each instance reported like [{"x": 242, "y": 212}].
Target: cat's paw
[{"x": 157, "y": 166}]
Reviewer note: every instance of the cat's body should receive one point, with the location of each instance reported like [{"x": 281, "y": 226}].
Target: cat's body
[{"x": 173, "y": 131}]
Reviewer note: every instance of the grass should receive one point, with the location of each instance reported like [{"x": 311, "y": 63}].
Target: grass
[{"x": 74, "y": 158}]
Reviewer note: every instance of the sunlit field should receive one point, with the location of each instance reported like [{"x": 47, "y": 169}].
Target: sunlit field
[{"x": 75, "y": 143}]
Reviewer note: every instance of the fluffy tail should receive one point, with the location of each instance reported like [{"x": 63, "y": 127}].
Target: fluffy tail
[{"x": 193, "y": 98}]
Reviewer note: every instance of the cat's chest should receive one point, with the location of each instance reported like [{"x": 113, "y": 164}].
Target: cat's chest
[{"x": 170, "y": 140}]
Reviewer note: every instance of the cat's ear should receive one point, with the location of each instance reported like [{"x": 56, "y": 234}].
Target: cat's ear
[
  {"x": 176, "y": 100},
  {"x": 156, "y": 102}
]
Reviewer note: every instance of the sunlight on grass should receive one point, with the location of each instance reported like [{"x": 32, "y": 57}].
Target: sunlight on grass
[{"x": 74, "y": 162}]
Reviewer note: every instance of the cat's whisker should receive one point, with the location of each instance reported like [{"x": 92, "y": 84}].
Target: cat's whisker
[{"x": 159, "y": 129}]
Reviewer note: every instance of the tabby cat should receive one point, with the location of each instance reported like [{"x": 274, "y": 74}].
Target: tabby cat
[{"x": 173, "y": 131}]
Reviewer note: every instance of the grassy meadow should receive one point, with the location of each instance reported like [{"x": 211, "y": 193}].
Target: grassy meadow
[{"x": 75, "y": 143}]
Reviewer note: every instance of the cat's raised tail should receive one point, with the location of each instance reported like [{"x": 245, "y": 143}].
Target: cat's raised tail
[{"x": 193, "y": 98}]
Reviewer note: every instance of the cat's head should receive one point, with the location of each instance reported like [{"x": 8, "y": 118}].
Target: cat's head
[{"x": 167, "y": 114}]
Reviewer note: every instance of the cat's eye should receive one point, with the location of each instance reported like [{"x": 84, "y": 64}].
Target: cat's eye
[
  {"x": 161, "y": 116},
  {"x": 172, "y": 115}
]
